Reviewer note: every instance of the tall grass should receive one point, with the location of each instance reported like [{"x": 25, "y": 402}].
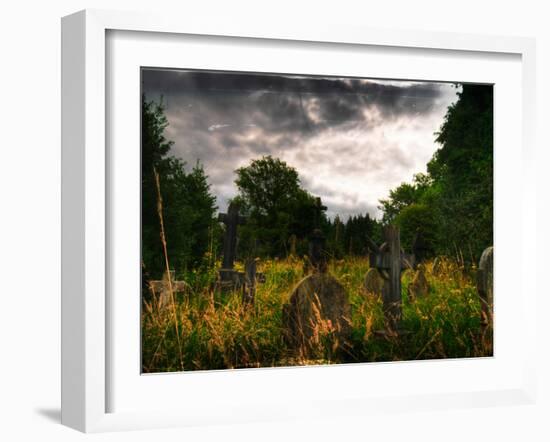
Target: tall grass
[{"x": 216, "y": 331}]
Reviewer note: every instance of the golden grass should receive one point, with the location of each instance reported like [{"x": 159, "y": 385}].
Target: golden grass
[{"x": 216, "y": 331}]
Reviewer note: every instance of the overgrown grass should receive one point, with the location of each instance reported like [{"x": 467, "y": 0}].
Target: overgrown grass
[{"x": 217, "y": 331}]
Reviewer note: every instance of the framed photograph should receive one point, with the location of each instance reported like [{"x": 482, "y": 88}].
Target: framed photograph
[{"x": 249, "y": 214}]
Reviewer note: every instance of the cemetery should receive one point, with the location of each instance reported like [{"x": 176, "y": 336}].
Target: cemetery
[
  {"x": 383, "y": 306},
  {"x": 289, "y": 220}
]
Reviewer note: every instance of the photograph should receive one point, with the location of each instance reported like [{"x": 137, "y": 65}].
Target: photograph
[{"x": 303, "y": 220}]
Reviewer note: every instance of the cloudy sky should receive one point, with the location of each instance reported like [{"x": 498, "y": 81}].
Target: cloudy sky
[{"x": 351, "y": 140}]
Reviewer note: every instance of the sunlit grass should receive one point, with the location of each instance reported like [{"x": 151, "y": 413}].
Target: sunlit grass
[{"x": 217, "y": 331}]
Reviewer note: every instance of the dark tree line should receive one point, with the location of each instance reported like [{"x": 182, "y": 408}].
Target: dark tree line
[{"x": 279, "y": 212}]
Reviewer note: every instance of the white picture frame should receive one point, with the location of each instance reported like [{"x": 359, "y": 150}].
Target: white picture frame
[{"x": 86, "y": 203}]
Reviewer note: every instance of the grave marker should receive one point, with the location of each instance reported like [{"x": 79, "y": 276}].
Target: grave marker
[
  {"x": 390, "y": 260},
  {"x": 228, "y": 277},
  {"x": 318, "y": 304},
  {"x": 231, "y": 219},
  {"x": 419, "y": 286},
  {"x": 373, "y": 282},
  {"x": 316, "y": 255},
  {"x": 160, "y": 289},
  {"x": 485, "y": 284},
  {"x": 249, "y": 287}
]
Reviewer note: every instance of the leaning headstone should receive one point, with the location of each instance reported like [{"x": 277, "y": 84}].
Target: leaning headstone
[
  {"x": 373, "y": 282},
  {"x": 419, "y": 287},
  {"x": 318, "y": 304},
  {"x": 485, "y": 284}
]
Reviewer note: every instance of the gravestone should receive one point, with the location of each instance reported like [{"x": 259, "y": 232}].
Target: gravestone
[
  {"x": 160, "y": 289},
  {"x": 249, "y": 287},
  {"x": 390, "y": 260},
  {"x": 485, "y": 284},
  {"x": 292, "y": 243},
  {"x": 318, "y": 304},
  {"x": 419, "y": 286},
  {"x": 373, "y": 282},
  {"x": 228, "y": 278}
]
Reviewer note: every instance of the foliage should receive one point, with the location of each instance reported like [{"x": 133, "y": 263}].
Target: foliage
[
  {"x": 402, "y": 196},
  {"x": 220, "y": 332},
  {"x": 453, "y": 204},
  {"x": 187, "y": 204},
  {"x": 417, "y": 218},
  {"x": 276, "y": 205}
]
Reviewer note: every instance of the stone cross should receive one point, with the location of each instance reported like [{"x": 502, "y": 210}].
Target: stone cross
[
  {"x": 319, "y": 208},
  {"x": 231, "y": 219},
  {"x": 249, "y": 288},
  {"x": 163, "y": 289},
  {"x": 316, "y": 255},
  {"x": 390, "y": 260},
  {"x": 317, "y": 241}
]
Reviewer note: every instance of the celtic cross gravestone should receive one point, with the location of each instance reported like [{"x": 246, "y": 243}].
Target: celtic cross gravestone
[{"x": 390, "y": 260}]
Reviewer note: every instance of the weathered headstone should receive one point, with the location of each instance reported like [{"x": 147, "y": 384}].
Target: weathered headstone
[
  {"x": 161, "y": 289},
  {"x": 249, "y": 288},
  {"x": 485, "y": 284},
  {"x": 419, "y": 286},
  {"x": 390, "y": 260},
  {"x": 292, "y": 243},
  {"x": 373, "y": 282},
  {"x": 319, "y": 304}
]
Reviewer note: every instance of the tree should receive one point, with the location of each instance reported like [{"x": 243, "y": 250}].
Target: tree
[
  {"x": 276, "y": 205},
  {"x": 453, "y": 204},
  {"x": 416, "y": 219},
  {"x": 403, "y": 196},
  {"x": 187, "y": 205},
  {"x": 356, "y": 230},
  {"x": 463, "y": 170}
]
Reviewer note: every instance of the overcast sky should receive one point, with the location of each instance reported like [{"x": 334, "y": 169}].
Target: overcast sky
[{"x": 351, "y": 140}]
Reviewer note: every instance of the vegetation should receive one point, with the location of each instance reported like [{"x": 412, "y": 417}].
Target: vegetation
[
  {"x": 220, "y": 332},
  {"x": 188, "y": 206},
  {"x": 453, "y": 203}
]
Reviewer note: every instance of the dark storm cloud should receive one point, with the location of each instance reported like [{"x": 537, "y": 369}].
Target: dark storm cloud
[
  {"x": 351, "y": 140},
  {"x": 288, "y": 103}
]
